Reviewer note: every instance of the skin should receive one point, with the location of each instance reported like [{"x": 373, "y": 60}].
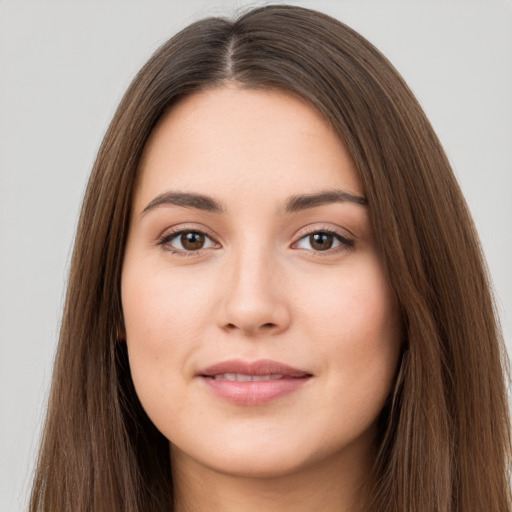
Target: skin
[{"x": 259, "y": 289}]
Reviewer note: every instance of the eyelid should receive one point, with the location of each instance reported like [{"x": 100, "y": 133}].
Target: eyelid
[
  {"x": 345, "y": 241},
  {"x": 173, "y": 232}
]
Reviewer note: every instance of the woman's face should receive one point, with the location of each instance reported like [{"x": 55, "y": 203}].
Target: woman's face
[{"x": 263, "y": 336}]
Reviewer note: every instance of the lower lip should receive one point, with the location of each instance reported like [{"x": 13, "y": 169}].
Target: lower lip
[{"x": 254, "y": 392}]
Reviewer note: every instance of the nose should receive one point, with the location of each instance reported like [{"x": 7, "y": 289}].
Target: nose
[{"x": 254, "y": 297}]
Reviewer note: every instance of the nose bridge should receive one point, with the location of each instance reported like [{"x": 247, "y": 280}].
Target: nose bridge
[
  {"x": 253, "y": 274},
  {"x": 254, "y": 300}
]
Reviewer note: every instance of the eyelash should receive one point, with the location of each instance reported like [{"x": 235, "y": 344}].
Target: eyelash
[
  {"x": 345, "y": 243},
  {"x": 168, "y": 237}
]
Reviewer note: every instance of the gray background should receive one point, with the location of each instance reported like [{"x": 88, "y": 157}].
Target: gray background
[{"x": 63, "y": 68}]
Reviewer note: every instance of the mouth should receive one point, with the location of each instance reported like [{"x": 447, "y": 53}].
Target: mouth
[
  {"x": 240, "y": 377},
  {"x": 252, "y": 383}
]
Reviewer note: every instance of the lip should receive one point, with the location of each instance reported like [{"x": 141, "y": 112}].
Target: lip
[{"x": 282, "y": 380}]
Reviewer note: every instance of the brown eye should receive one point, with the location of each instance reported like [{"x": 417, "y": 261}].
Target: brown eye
[
  {"x": 192, "y": 240},
  {"x": 187, "y": 241},
  {"x": 321, "y": 241},
  {"x": 324, "y": 241}
]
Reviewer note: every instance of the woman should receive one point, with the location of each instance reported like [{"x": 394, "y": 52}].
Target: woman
[{"x": 277, "y": 298}]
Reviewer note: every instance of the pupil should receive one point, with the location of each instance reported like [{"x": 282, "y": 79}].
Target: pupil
[
  {"x": 321, "y": 241},
  {"x": 192, "y": 240}
]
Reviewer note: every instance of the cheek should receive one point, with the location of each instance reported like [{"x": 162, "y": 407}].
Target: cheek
[
  {"x": 161, "y": 306},
  {"x": 357, "y": 326},
  {"x": 163, "y": 316},
  {"x": 356, "y": 303}
]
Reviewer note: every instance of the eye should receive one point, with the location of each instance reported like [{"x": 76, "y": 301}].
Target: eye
[
  {"x": 324, "y": 240},
  {"x": 187, "y": 241}
]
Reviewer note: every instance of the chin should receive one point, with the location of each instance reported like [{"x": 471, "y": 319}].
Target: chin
[
  {"x": 245, "y": 458},
  {"x": 252, "y": 465}
]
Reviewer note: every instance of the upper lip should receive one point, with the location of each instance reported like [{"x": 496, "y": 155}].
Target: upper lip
[{"x": 259, "y": 368}]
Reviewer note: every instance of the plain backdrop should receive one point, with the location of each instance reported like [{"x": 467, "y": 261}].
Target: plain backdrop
[{"x": 63, "y": 68}]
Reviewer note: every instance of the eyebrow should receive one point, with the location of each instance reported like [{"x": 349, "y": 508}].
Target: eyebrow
[
  {"x": 186, "y": 199},
  {"x": 293, "y": 204},
  {"x": 305, "y": 201}
]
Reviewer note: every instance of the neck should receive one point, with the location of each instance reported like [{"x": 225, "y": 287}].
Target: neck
[{"x": 335, "y": 485}]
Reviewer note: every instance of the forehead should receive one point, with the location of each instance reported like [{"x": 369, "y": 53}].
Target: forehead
[{"x": 244, "y": 143}]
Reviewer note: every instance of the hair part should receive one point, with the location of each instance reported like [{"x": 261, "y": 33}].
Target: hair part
[{"x": 444, "y": 439}]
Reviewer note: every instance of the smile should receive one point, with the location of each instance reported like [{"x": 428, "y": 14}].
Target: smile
[
  {"x": 240, "y": 377},
  {"x": 252, "y": 383}
]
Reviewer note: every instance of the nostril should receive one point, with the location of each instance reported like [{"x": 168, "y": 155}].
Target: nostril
[{"x": 265, "y": 326}]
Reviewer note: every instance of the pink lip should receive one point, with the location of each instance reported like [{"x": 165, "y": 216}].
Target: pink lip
[{"x": 253, "y": 392}]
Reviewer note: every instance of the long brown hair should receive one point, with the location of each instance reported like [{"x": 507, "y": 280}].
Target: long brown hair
[{"x": 444, "y": 439}]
